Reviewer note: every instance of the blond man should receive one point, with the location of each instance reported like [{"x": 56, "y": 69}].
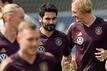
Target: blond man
[{"x": 88, "y": 34}]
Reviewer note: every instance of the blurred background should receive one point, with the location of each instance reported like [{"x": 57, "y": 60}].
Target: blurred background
[{"x": 64, "y": 6}]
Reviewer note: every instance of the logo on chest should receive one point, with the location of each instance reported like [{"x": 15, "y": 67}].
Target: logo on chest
[
  {"x": 79, "y": 39},
  {"x": 98, "y": 30},
  {"x": 3, "y": 54},
  {"x": 41, "y": 49},
  {"x": 58, "y": 41}
]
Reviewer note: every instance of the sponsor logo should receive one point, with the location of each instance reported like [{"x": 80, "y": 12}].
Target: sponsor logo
[
  {"x": 3, "y": 55},
  {"x": 41, "y": 49}
]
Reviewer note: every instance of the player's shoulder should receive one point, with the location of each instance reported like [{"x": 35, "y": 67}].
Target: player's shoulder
[
  {"x": 73, "y": 25},
  {"x": 3, "y": 40},
  {"x": 70, "y": 26},
  {"x": 101, "y": 20},
  {"x": 60, "y": 33},
  {"x": 2, "y": 37},
  {"x": 104, "y": 21}
]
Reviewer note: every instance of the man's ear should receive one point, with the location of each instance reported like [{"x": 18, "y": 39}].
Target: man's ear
[
  {"x": 40, "y": 19},
  {"x": 18, "y": 38}
]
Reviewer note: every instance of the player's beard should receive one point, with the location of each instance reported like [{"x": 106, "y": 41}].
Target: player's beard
[{"x": 50, "y": 27}]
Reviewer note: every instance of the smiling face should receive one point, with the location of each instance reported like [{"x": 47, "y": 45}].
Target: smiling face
[
  {"x": 81, "y": 9},
  {"x": 12, "y": 15},
  {"x": 76, "y": 12},
  {"x": 29, "y": 41},
  {"x": 49, "y": 21}
]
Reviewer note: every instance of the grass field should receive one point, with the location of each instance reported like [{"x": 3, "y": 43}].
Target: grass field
[{"x": 71, "y": 69}]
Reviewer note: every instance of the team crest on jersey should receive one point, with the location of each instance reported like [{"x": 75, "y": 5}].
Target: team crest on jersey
[
  {"x": 80, "y": 40},
  {"x": 58, "y": 41},
  {"x": 98, "y": 30}
]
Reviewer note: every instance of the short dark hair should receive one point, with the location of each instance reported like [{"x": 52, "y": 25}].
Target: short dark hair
[
  {"x": 4, "y": 1},
  {"x": 47, "y": 7}
]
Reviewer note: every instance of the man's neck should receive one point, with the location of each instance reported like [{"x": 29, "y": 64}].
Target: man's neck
[
  {"x": 89, "y": 20},
  {"x": 29, "y": 58},
  {"x": 45, "y": 32},
  {"x": 9, "y": 34}
]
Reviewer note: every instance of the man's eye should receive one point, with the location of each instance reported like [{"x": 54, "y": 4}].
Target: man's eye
[
  {"x": 47, "y": 18},
  {"x": 54, "y": 18},
  {"x": 30, "y": 39}
]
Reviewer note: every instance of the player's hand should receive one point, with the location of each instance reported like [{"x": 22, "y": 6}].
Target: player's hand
[
  {"x": 74, "y": 64},
  {"x": 106, "y": 65},
  {"x": 101, "y": 54},
  {"x": 66, "y": 63}
]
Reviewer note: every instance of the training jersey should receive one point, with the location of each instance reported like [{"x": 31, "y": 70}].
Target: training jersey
[
  {"x": 57, "y": 44},
  {"x": 41, "y": 63},
  {"x": 86, "y": 40},
  {"x": 7, "y": 48}
]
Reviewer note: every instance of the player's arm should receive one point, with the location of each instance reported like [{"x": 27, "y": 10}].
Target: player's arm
[
  {"x": 4, "y": 64},
  {"x": 67, "y": 54},
  {"x": 106, "y": 65},
  {"x": 101, "y": 54},
  {"x": 71, "y": 44}
]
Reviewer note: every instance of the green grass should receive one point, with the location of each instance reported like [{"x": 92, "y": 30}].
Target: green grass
[{"x": 71, "y": 69}]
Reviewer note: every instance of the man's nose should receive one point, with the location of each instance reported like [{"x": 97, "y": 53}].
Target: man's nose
[{"x": 51, "y": 21}]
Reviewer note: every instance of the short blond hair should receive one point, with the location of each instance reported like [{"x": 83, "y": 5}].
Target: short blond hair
[
  {"x": 84, "y": 5},
  {"x": 9, "y": 8},
  {"x": 26, "y": 25}
]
